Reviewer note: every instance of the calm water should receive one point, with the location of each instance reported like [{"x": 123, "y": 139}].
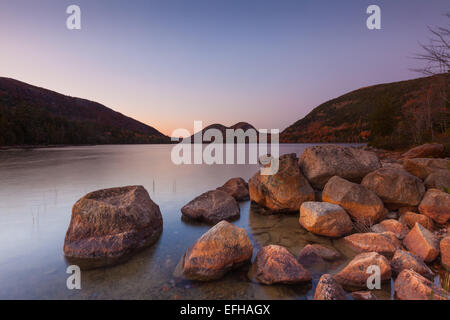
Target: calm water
[{"x": 37, "y": 191}]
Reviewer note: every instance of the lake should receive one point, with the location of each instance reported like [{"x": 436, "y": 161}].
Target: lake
[{"x": 39, "y": 186}]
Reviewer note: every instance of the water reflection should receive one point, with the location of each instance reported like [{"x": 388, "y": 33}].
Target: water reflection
[{"x": 39, "y": 187}]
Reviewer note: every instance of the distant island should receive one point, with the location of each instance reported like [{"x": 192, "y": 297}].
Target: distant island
[{"x": 31, "y": 116}]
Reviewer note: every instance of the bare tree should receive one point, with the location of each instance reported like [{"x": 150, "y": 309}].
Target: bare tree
[{"x": 436, "y": 53}]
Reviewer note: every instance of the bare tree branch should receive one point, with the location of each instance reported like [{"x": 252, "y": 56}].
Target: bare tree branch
[{"x": 436, "y": 53}]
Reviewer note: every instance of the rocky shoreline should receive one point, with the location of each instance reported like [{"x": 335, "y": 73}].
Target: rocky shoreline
[{"x": 392, "y": 210}]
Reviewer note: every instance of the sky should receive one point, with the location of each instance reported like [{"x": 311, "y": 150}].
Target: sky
[{"x": 170, "y": 62}]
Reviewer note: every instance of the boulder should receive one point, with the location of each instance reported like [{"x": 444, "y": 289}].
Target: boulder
[
  {"x": 109, "y": 225},
  {"x": 411, "y": 218},
  {"x": 383, "y": 243},
  {"x": 406, "y": 260},
  {"x": 320, "y": 163},
  {"x": 284, "y": 191},
  {"x": 436, "y": 205},
  {"x": 237, "y": 188},
  {"x": 211, "y": 207},
  {"x": 222, "y": 248},
  {"x": 325, "y": 219},
  {"x": 410, "y": 285},
  {"x": 445, "y": 252},
  {"x": 355, "y": 275},
  {"x": 329, "y": 289},
  {"x": 428, "y": 150},
  {"x": 422, "y": 167},
  {"x": 422, "y": 243},
  {"x": 395, "y": 187},
  {"x": 275, "y": 264},
  {"x": 363, "y": 295},
  {"x": 326, "y": 253},
  {"x": 399, "y": 229},
  {"x": 439, "y": 179},
  {"x": 361, "y": 204}
]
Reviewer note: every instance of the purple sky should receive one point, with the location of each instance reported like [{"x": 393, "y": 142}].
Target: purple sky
[{"x": 168, "y": 63}]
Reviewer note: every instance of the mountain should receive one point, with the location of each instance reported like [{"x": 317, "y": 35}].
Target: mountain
[
  {"x": 240, "y": 125},
  {"x": 31, "y": 115},
  {"x": 392, "y": 114}
]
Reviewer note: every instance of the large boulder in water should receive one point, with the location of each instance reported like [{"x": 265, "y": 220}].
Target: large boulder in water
[
  {"x": 275, "y": 264},
  {"x": 211, "y": 207},
  {"x": 406, "y": 260},
  {"x": 109, "y": 225},
  {"x": 436, "y": 205},
  {"x": 383, "y": 243},
  {"x": 428, "y": 150},
  {"x": 237, "y": 188},
  {"x": 355, "y": 274},
  {"x": 222, "y": 248},
  {"x": 410, "y": 285},
  {"x": 422, "y": 167},
  {"x": 395, "y": 187},
  {"x": 320, "y": 163},
  {"x": 361, "y": 204},
  {"x": 284, "y": 191},
  {"x": 325, "y": 219}
]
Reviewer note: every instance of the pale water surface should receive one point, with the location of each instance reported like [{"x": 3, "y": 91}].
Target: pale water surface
[{"x": 38, "y": 188}]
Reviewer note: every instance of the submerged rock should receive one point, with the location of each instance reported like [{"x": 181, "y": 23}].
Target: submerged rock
[
  {"x": 395, "y": 187},
  {"x": 237, "y": 188},
  {"x": 355, "y": 274},
  {"x": 445, "y": 252},
  {"x": 325, "y": 219},
  {"x": 422, "y": 243},
  {"x": 406, "y": 260},
  {"x": 422, "y": 167},
  {"x": 383, "y": 243},
  {"x": 326, "y": 253},
  {"x": 329, "y": 289},
  {"x": 222, "y": 248},
  {"x": 411, "y": 218},
  {"x": 399, "y": 229},
  {"x": 109, "y": 225},
  {"x": 436, "y": 205},
  {"x": 320, "y": 163},
  {"x": 311, "y": 260},
  {"x": 212, "y": 207},
  {"x": 410, "y": 285},
  {"x": 359, "y": 202},
  {"x": 428, "y": 150},
  {"x": 275, "y": 264},
  {"x": 284, "y": 191}
]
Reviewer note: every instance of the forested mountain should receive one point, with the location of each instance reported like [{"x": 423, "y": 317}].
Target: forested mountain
[
  {"x": 31, "y": 115},
  {"x": 388, "y": 115}
]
